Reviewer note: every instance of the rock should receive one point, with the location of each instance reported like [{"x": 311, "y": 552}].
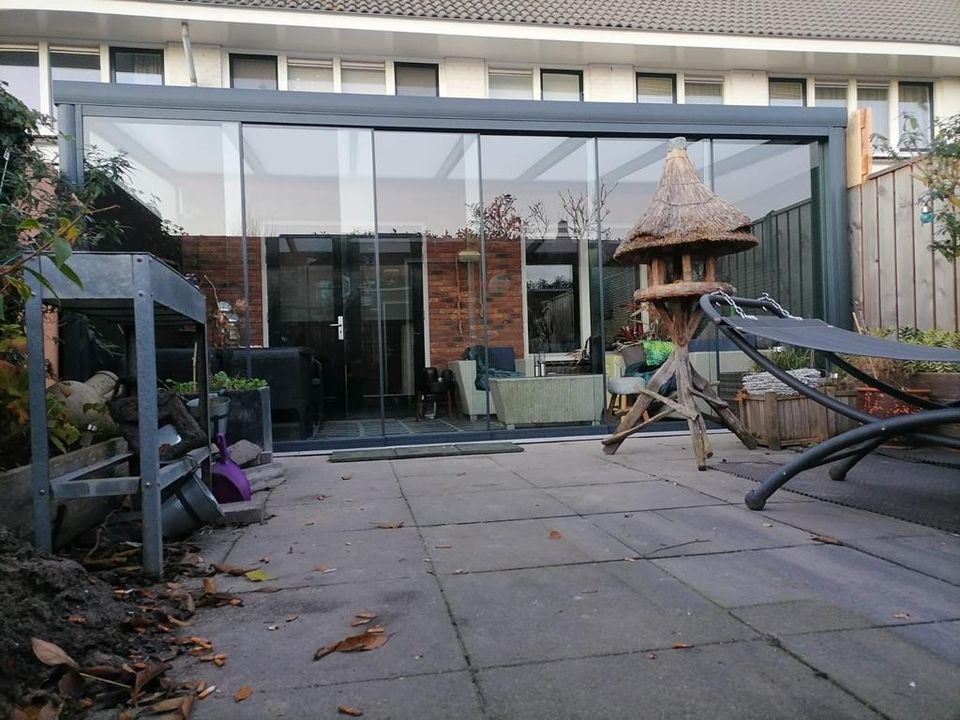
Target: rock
[
  {"x": 244, "y": 513},
  {"x": 245, "y": 453},
  {"x": 265, "y": 477}
]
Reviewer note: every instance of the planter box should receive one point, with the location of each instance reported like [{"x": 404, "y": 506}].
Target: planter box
[
  {"x": 944, "y": 387},
  {"x": 879, "y": 404},
  {"x": 779, "y": 421},
  {"x": 75, "y": 517}
]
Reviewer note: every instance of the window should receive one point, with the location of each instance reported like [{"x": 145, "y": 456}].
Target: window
[
  {"x": 553, "y": 312},
  {"x": 310, "y": 75},
  {"x": 20, "y": 70},
  {"x": 75, "y": 64},
  {"x": 561, "y": 85},
  {"x": 876, "y": 99},
  {"x": 703, "y": 91},
  {"x": 417, "y": 79},
  {"x": 788, "y": 93},
  {"x": 916, "y": 114},
  {"x": 138, "y": 67},
  {"x": 656, "y": 88},
  {"x": 510, "y": 84},
  {"x": 363, "y": 78},
  {"x": 831, "y": 95},
  {"x": 253, "y": 72}
]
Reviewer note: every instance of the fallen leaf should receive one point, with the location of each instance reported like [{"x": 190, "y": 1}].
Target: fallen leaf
[
  {"x": 555, "y": 535},
  {"x": 319, "y": 568},
  {"x": 682, "y": 646},
  {"x": 76, "y": 619},
  {"x": 220, "y": 659},
  {"x": 375, "y": 630},
  {"x": 265, "y": 559},
  {"x": 207, "y": 691},
  {"x": 826, "y": 540},
  {"x": 70, "y": 684},
  {"x": 902, "y": 615},
  {"x": 291, "y": 618},
  {"x": 768, "y": 525},
  {"x": 209, "y": 586},
  {"x": 53, "y": 655},
  {"x": 354, "y": 643},
  {"x": 443, "y": 547},
  {"x": 146, "y": 676},
  {"x": 346, "y": 477},
  {"x": 272, "y": 627},
  {"x": 49, "y": 712},
  {"x": 227, "y": 569},
  {"x": 201, "y": 641},
  {"x": 168, "y": 705},
  {"x": 351, "y": 711},
  {"x": 311, "y": 522},
  {"x": 651, "y": 656},
  {"x": 365, "y": 615},
  {"x": 357, "y": 622},
  {"x": 243, "y": 693},
  {"x": 258, "y": 576},
  {"x": 322, "y": 497},
  {"x": 389, "y": 525}
]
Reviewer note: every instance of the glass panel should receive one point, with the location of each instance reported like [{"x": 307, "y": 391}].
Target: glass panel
[
  {"x": 428, "y": 194},
  {"x": 561, "y": 86},
  {"x": 656, "y": 89},
  {"x": 787, "y": 93},
  {"x": 831, "y": 95},
  {"x": 20, "y": 69},
  {"x": 138, "y": 67},
  {"x": 916, "y": 115},
  {"x": 416, "y": 79},
  {"x": 703, "y": 92},
  {"x": 310, "y": 78},
  {"x": 538, "y": 218},
  {"x": 309, "y": 199},
  {"x": 363, "y": 80},
  {"x": 249, "y": 72},
  {"x": 510, "y": 85},
  {"x": 82, "y": 66},
  {"x": 876, "y": 99}
]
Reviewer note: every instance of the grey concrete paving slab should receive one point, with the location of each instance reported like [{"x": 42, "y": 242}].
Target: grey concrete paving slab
[
  {"x": 549, "y": 474},
  {"x": 569, "y": 611},
  {"x": 882, "y": 668},
  {"x": 737, "y": 681},
  {"x": 519, "y": 543},
  {"x": 464, "y": 481},
  {"x": 313, "y": 468},
  {"x": 941, "y": 639},
  {"x": 445, "y": 696},
  {"x": 793, "y": 617},
  {"x": 411, "y": 611},
  {"x": 471, "y": 507},
  {"x": 445, "y": 466},
  {"x": 698, "y": 531},
  {"x": 843, "y": 523},
  {"x": 937, "y": 554},
  {"x": 726, "y": 487},
  {"x": 215, "y": 543},
  {"x": 336, "y": 512},
  {"x": 629, "y": 497},
  {"x": 850, "y": 579},
  {"x": 363, "y": 480},
  {"x": 354, "y": 556}
]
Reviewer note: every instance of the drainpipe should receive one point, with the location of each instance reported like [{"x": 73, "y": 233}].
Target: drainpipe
[{"x": 188, "y": 51}]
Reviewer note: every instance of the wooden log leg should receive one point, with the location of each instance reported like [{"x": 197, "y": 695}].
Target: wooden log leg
[
  {"x": 629, "y": 421},
  {"x": 698, "y": 430},
  {"x": 729, "y": 418}
]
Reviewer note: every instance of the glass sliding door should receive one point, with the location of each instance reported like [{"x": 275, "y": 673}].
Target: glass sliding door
[
  {"x": 309, "y": 201},
  {"x": 428, "y": 199}
]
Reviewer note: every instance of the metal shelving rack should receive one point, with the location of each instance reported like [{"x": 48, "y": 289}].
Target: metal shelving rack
[{"x": 139, "y": 292}]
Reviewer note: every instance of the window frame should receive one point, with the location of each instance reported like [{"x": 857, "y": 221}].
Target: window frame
[
  {"x": 720, "y": 82},
  {"x": 153, "y": 51},
  {"x": 397, "y": 64},
  {"x": 254, "y": 56},
  {"x": 561, "y": 71},
  {"x": 802, "y": 82},
  {"x": 673, "y": 85}
]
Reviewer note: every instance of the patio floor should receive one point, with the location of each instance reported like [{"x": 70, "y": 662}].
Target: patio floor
[{"x": 563, "y": 583}]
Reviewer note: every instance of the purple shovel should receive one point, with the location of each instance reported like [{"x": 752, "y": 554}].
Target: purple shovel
[{"x": 230, "y": 484}]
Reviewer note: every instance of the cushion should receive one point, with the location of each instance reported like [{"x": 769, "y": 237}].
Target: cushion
[
  {"x": 657, "y": 351},
  {"x": 626, "y": 385},
  {"x": 633, "y": 355},
  {"x": 502, "y": 358}
]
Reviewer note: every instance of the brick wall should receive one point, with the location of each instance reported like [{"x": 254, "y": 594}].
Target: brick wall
[
  {"x": 453, "y": 328},
  {"x": 221, "y": 260}
]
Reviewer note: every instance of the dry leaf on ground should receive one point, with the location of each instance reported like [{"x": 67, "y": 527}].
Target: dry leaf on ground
[
  {"x": 389, "y": 525},
  {"x": 682, "y": 646},
  {"x": 351, "y": 711},
  {"x": 826, "y": 540},
  {"x": 76, "y": 619},
  {"x": 227, "y": 569},
  {"x": 346, "y": 477},
  {"x": 243, "y": 693},
  {"x": 555, "y": 535},
  {"x": 258, "y": 576},
  {"x": 50, "y": 654},
  {"x": 354, "y": 643},
  {"x": 902, "y": 615},
  {"x": 209, "y": 585}
]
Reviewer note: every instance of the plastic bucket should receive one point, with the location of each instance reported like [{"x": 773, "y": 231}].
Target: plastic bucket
[
  {"x": 189, "y": 507},
  {"x": 219, "y": 410}
]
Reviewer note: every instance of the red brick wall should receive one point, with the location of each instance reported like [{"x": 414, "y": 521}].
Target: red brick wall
[
  {"x": 453, "y": 330},
  {"x": 221, "y": 260}
]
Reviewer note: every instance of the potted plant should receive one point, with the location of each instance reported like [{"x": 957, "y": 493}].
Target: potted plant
[
  {"x": 941, "y": 379},
  {"x": 897, "y": 373}
]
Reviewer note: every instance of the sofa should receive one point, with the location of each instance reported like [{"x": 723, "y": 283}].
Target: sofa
[{"x": 473, "y": 402}]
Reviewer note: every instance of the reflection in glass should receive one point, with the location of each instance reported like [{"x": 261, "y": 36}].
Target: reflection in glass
[
  {"x": 136, "y": 66},
  {"x": 510, "y": 84},
  {"x": 363, "y": 78},
  {"x": 310, "y": 76},
  {"x": 787, "y": 93},
  {"x": 831, "y": 95},
  {"x": 20, "y": 69},
  {"x": 80, "y": 65},
  {"x": 876, "y": 99},
  {"x": 419, "y": 79},
  {"x": 253, "y": 72},
  {"x": 916, "y": 114}
]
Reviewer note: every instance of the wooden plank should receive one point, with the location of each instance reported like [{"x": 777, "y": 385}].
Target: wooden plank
[
  {"x": 945, "y": 292},
  {"x": 887, "y": 250},
  {"x": 771, "y": 421},
  {"x": 871, "y": 255},
  {"x": 853, "y": 150},
  {"x": 855, "y": 235},
  {"x": 905, "y": 265},
  {"x": 922, "y": 235}
]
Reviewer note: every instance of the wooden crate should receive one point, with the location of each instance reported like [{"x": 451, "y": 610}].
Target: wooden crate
[{"x": 779, "y": 421}]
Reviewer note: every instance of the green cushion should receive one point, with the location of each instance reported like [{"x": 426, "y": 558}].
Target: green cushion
[{"x": 657, "y": 351}]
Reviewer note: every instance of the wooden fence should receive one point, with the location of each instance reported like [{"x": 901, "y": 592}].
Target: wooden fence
[{"x": 897, "y": 280}]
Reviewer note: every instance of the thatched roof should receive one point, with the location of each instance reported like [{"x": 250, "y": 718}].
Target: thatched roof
[{"x": 685, "y": 212}]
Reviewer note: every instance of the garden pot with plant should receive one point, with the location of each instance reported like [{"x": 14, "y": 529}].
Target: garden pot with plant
[
  {"x": 896, "y": 373},
  {"x": 941, "y": 379}
]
